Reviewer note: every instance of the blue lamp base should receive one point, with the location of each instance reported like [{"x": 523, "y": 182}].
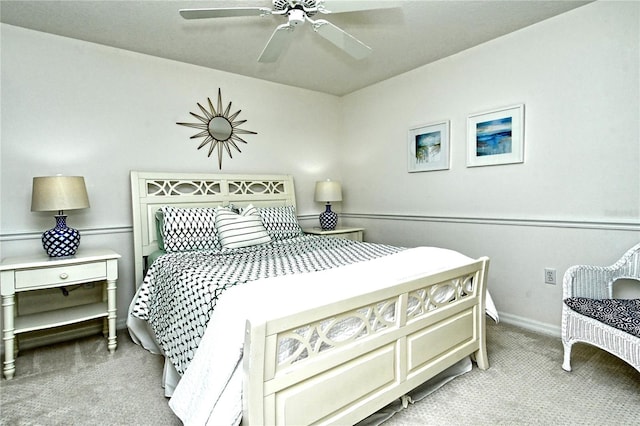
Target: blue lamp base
[
  {"x": 328, "y": 219},
  {"x": 61, "y": 241}
]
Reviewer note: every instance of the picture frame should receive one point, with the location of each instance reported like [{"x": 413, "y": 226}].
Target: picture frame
[
  {"x": 496, "y": 137},
  {"x": 428, "y": 147}
]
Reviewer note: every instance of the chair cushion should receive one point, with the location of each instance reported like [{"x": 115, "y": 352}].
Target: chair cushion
[{"x": 623, "y": 314}]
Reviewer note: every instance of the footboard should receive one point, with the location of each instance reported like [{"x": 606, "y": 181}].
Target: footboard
[{"x": 300, "y": 370}]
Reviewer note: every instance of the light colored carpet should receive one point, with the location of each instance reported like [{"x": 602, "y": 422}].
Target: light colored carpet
[
  {"x": 525, "y": 385},
  {"x": 79, "y": 383}
]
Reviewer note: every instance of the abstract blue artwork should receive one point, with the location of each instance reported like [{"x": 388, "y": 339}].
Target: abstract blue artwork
[
  {"x": 496, "y": 137},
  {"x": 429, "y": 147}
]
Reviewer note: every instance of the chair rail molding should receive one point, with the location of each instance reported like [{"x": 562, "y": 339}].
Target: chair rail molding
[
  {"x": 611, "y": 225},
  {"x": 623, "y": 225}
]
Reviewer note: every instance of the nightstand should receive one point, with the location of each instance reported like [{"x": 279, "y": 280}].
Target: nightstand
[
  {"x": 355, "y": 234},
  {"x": 37, "y": 272}
]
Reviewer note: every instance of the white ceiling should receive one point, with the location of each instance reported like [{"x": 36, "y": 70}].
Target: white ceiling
[{"x": 403, "y": 38}]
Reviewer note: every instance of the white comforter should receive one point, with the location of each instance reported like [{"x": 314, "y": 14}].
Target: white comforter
[{"x": 210, "y": 391}]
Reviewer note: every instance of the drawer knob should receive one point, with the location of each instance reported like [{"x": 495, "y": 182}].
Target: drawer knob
[{"x": 64, "y": 276}]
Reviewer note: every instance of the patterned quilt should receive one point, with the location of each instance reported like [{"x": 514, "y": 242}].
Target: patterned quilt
[{"x": 181, "y": 289}]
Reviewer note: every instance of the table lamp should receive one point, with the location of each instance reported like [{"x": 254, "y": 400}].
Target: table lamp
[
  {"x": 59, "y": 193},
  {"x": 326, "y": 192}
]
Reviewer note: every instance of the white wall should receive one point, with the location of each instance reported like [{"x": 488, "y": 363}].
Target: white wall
[
  {"x": 575, "y": 199},
  {"x": 78, "y": 108}
]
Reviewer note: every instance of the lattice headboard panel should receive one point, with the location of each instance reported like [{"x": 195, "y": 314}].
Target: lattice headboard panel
[{"x": 151, "y": 190}]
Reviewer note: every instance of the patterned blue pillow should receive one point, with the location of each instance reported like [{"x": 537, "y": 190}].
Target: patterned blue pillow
[
  {"x": 187, "y": 229},
  {"x": 281, "y": 222}
]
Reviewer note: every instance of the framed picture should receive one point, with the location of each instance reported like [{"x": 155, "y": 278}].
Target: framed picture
[
  {"x": 429, "y": 147},
  {"x": 496, "y": 137}
]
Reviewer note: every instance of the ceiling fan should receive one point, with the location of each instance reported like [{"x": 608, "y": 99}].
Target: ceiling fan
[{"x": 298, "y": 12}]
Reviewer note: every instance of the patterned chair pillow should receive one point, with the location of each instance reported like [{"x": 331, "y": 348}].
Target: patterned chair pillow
[
  {"x": 240, "y": 230},
  {"x": 623, "y": 314},
  {"x": 281, "y": 222},
  {"x": 188, "y": 229}
]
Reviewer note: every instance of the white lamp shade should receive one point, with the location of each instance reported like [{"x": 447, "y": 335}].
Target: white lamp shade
[
  {"x": 327, "y": 191},
  {"x": 55, "y": 193}
]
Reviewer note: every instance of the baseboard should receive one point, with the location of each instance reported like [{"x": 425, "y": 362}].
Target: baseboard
[{"x": 532, "y": 325}]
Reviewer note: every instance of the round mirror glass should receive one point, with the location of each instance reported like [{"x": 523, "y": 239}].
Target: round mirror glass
[{"x": 220, "y": 128}]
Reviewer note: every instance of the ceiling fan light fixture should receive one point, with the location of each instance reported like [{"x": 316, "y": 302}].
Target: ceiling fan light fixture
[{"x": 296, "y": 16}]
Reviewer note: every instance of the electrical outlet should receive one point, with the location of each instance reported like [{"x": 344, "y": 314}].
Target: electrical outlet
[{"x": 549, "y": 276}]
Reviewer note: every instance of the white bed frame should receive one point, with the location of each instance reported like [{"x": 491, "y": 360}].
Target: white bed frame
[
  {"x": 150, "y": 191},
  {"x": 345, "y": 381}
]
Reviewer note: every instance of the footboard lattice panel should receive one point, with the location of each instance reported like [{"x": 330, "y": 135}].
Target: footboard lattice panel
[
  {"x": 309, "y": 341},
  {"x": 438, "y": 295}
]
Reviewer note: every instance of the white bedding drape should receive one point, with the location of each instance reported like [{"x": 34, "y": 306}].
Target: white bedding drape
[{"x": 210, "y": 391}]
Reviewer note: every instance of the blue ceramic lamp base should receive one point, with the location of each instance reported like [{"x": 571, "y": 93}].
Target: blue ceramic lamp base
[
  {"x": 328, "y": 219},
  {"x": 61, "y": 241}
]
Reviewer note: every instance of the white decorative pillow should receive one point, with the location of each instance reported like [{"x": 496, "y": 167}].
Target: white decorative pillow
[
  {"x": 187, "y": 229},
  {"x": 240, "y": 230},
  {"x": 281, "y": 222}
]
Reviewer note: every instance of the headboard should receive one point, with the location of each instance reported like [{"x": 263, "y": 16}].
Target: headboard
[{"x": 152, "y": 190}]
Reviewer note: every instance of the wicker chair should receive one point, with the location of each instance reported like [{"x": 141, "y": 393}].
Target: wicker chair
[{"x": 594, "y": 282}]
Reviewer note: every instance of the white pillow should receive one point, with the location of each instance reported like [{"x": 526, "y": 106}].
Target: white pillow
[{"x": 240, "y": 230}]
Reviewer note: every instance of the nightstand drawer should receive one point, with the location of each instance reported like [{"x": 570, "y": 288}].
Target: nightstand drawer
[{"x": 61, "y": 275}]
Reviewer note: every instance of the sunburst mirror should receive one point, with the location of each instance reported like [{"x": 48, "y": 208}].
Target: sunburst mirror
[{"x": 218, "y": 128}]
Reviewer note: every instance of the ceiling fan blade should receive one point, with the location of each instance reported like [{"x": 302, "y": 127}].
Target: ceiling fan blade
[
  {"x": 223, "y": 12},
  {"x": 341, "y": 39},
  {"x": 276, "y": 44},
  {"x": 329, "y": 6}
]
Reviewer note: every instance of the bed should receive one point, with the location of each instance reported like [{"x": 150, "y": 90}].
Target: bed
[{"x": 331, "y": 343}]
